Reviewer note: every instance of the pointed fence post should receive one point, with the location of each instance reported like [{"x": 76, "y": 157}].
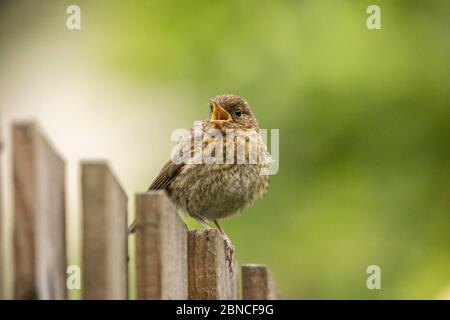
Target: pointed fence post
[
  {"x": 257, "y": 283},
  {"x": 39, "y": 216},
  {"x": 105, "y": 234},
  {"x": 161, "y": 249},
  {"x": 211, "y": 275}
]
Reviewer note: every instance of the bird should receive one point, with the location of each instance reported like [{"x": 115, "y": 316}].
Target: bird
[{"x": 224, "y": 172}]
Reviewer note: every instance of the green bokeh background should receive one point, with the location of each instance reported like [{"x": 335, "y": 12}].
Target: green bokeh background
[{"x": 363, "y": 116}]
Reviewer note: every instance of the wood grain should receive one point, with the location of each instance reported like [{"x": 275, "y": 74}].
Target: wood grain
[
  {"x": 39, "y": 216},
  {"x": 161, "y": 249},
  {"x": 211, "y": 275},
  {"x": 105, "y": 235},
  {"x": 257, "y": 283}
]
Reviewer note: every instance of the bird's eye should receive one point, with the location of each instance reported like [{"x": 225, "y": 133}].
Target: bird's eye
[{"x": 238, "y": 112}]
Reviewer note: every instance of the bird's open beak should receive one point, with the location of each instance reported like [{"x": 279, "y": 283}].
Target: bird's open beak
[{"x": 219, "y": 115}]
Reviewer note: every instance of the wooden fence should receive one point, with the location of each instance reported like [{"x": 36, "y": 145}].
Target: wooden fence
[{"x": 171, "y": 261}]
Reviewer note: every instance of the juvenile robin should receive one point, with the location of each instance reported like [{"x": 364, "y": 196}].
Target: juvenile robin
[{"x": 224, "y": 165}]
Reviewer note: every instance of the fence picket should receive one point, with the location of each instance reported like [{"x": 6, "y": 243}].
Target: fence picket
[
  {"x": 257, "y": 283},
  {"x": 39, "y": 217},
  {"x": 161, "y": 248},
  {"x": 105, "y": 236},
  {"x": 211, "y": 275}
]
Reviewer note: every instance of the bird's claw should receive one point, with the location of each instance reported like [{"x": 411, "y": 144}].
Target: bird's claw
[
  {"x": 229, "y": 248},
  {"x": 132, "y": 228}
]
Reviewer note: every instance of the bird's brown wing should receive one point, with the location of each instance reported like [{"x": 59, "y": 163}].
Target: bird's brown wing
[
  {"x": 162, "y": 181},
  {"x": 168, "y": 173}
]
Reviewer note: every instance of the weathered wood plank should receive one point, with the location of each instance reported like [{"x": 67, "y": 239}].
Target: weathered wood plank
[
  {"x": 211, "y": 275},
  {"x": 257, "y": 283},
  {"x": 161, "y": 249},
  {"x": 39, "y": 216},
  {"x": 105, "y": 235}
]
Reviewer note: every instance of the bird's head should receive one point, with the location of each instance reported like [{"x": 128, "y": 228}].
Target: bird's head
[{"x": 231, "y": 111}]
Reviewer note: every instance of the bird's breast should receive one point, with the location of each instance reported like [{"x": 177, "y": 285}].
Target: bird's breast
[{"x": 215, "y": 191}]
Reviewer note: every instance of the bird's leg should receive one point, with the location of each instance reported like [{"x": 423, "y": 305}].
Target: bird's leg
[
  {"x": 220, "y": 230},
  {"x": 230, "y": 247},
  {"x": 132, "y": 228},
  {"x": 203, "y": 222}
]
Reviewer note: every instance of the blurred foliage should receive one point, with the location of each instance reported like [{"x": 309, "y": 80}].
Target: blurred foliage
[{"x": 363, "y": 118}]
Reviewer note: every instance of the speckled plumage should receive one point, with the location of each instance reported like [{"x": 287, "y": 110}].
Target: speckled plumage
[{"x": 215, "y": 191}]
